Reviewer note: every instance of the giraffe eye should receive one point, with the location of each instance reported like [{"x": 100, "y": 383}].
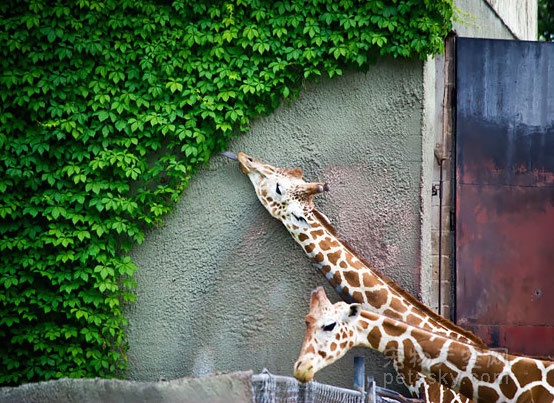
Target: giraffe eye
[
  {"x": 330, "y": 327},
  {"x": 278, "y": 190}
]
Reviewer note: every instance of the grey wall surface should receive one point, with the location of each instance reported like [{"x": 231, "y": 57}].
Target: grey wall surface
[
  {"x": 223, "y": 287},
  {"x": 508, "y": 19},
  {"x": 228, "y": 388}
]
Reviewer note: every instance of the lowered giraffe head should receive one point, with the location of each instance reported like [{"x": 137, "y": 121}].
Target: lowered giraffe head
[
  {"x": 282, "y": 191},
  {"x": 330, "y": 334}
]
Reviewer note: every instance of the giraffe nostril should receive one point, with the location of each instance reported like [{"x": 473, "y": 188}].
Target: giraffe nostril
[{"x": 250, "y": 159}]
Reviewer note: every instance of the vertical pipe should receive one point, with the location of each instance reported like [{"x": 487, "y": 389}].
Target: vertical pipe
[
  {"x": 359, "y": 373},
  {"x": 440, "y": 232}
]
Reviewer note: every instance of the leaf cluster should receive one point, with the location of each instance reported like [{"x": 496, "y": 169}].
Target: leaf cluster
[
  {"x": 107, "y": 108},
  {"x": 546, "y": 20}
]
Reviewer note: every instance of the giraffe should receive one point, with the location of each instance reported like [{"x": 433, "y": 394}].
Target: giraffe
[
  {"x": 479, "y": 374},
  {"x": 288, "y": 198}
]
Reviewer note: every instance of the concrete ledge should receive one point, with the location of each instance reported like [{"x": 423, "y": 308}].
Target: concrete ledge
[{"x": 232, "y": 387}]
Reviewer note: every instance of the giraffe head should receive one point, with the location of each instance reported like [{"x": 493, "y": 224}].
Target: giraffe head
[
  {"x": 282, "y": 191},
  {"x": 330, "y": 333}
]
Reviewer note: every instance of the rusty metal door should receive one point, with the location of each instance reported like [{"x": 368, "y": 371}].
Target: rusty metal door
[{"x": 504, "y": 193}]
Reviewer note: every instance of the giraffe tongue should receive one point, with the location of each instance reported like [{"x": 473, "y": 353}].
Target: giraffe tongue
[{"x": 229, "y": 155}]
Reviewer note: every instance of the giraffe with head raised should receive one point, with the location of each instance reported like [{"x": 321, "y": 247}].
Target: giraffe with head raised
[
  {"x": 288, "y": 198},
  {"x": 479, "y": 374}
]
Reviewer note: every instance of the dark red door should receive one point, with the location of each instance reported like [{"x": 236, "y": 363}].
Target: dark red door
[{"x": 505, "y": 193}]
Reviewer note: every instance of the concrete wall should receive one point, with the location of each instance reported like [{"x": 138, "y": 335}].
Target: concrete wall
[
  {"x": 222, "y": 286},
  {"x": 520, "y": 16},
  {"x": 229, "y": 388},
  {"x": 500, "y": 19}
]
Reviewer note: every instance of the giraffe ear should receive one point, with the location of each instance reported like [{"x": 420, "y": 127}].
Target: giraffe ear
[
  {"x": 294, "y": 172},
  {"x": 354, "y": 311}
]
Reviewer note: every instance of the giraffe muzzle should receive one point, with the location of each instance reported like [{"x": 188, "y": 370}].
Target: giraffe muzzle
[{"x": 303, "y": 371}]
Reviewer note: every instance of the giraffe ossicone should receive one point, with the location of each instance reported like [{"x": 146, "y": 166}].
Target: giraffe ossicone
[{"x": 479, "y": 374}]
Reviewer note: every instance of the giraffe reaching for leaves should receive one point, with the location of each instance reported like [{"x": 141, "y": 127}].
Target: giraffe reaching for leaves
[
  {"x": 477, "y": 373},
  {"x": 288, "y": 198}
]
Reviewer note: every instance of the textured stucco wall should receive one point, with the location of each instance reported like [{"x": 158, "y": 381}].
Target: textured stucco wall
[{"x": 223, "y": 287}]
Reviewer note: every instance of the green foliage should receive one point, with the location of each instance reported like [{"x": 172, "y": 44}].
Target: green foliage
[
  {"x": 546, "y": 20},
  {"x": 107, "y": 109}
]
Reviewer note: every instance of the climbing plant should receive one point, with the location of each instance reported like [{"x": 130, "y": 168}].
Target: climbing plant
[{"x": 107, "y": 109}]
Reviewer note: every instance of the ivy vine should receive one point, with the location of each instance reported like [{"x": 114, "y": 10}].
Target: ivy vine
[{"x": 108, "y": 107}]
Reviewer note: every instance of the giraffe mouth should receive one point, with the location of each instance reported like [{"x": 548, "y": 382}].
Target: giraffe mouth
[
  {"x": 302, "y": 373},
  {"x": 245, "y": 163}
]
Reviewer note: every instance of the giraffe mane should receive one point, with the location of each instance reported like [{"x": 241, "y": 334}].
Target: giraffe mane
[
  {"x": 323, "y": 220},
  {"x": 391, "y": 283}
]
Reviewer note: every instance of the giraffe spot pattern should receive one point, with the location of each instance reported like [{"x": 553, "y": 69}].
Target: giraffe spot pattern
[
  {"x": 398, "y": 306},
  {"x": 352, "y": 277},
  {"x": 414, "y": 320},
  {"x": 334, "y": 257},
  {"x": 370, "y": 282},
  {"x": 317, "y": 233},
  {"x": 443, "y": 373},
  {"x": 354, "y": 262},
  {"x": 538, "y": 394},
  {"x": 466, "y": 386},
  {"x": 374, "y": 337},
  {"x": 328, "y": 244},
  {"x": 310, "y": 350},
  {"x": 459, "y": 355},
  {"x": 508, "y": 386},
  {"x": 357, "y": 296},
  {"x": 319, "y": 257},
  {"x": 393, "y": 330},
  {"x": 487, "y": 394},
  {"x": 526, "y": 371},
  {"x": 491, "y": 363},
  {"x": 411, "y": 357},
  {"x": 433, "y": 347},
  {"x": 550, "y": 377},
  {"x": 390, "y": 349},
  {"x": 377, "y": 298}
]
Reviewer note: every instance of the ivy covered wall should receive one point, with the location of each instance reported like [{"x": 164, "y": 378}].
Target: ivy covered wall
[{"x": 107, "y": 110}]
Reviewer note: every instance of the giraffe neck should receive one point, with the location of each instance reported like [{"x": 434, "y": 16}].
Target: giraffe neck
[
  {"x": 477, "y": 373},
  {"x": 357, "y": 281}
]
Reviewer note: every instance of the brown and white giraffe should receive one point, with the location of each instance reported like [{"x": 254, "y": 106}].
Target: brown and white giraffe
[
  {"x": 288, "y": 198},
  {"x": 478, "y": 373}
]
